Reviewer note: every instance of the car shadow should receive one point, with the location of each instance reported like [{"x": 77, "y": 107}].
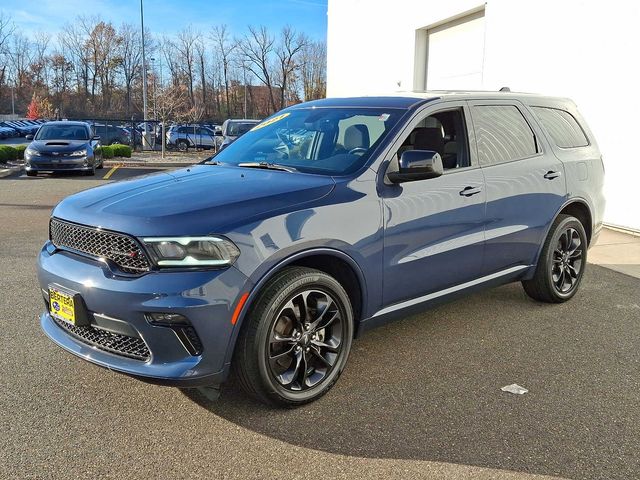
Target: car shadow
[
  {"x": 429, "y": 387},
  {"x": 78, "y": 175}
]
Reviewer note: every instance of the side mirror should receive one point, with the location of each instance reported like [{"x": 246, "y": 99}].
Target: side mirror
[
  {"x": 417, "y": 165},
  {"x": 96, "y": 138},
  {"x": 29, "y": 137}
]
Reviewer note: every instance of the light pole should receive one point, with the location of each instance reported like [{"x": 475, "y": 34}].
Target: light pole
[
  {"x": 155, "y": 98},
  {"x": 13, "y": 104},
  {"x": 244, "y": 79},
  {"x": 145, "y": 138}
]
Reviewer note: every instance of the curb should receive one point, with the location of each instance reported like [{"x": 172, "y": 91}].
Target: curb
[{"x": 8, "y": 172}]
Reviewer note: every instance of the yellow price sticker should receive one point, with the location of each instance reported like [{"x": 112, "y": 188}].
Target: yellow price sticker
[{"x": 271, "y": 121}]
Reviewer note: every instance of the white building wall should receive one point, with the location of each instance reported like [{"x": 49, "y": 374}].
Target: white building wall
[{"x": 585, "y": 50}]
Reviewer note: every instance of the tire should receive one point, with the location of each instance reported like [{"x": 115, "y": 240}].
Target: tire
[
  {"x": 91, "y": 172},
  {"x": 182, "y": 145},
  {"x": 276, "y": 359},
  {"x": 561, "y": 264},
  {"x": 100, "y": 165},
  {"x": 32, "y": 174}
]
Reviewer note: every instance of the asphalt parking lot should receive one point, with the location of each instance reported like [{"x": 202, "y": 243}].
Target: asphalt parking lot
[{"x": 419, "y": 399}]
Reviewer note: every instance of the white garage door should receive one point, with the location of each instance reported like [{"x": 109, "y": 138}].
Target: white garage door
[{"x": 455, "y": 54}]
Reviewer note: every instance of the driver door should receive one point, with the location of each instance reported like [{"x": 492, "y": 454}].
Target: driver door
[{"x": 434, "y": 228}]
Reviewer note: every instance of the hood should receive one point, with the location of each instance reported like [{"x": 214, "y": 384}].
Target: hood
[
  {"x": 58, "y": 145},
  {"x": 197, "y": 200}
]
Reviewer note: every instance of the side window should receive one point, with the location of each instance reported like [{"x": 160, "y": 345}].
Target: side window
[
  {"x": 562, "y": 126},
  {"x": 502, "y": 134},
  {"x": 443, "y": 132}
]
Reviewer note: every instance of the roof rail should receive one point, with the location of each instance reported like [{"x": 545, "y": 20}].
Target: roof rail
[{"x": 505, "y": 89}]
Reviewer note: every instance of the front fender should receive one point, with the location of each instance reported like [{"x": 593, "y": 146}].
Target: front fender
[{"x": 262, "y": 276}]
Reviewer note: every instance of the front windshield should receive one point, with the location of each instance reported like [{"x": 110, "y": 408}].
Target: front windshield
[
  {"x": 62, "y": 132},
  {"x": 331, "y": 141},
  {"x": 235, "y": 129}
]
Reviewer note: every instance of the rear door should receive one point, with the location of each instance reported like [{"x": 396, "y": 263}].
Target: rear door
[
  {"x": 434, "y": 228},
  {"x": 525, "y": 182}
]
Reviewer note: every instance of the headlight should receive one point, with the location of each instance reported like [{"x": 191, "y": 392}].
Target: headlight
[
  {"x": 192, "y": 251},
  {"x": 31, "y": 151},
  {"x": 79, "y": 153}
]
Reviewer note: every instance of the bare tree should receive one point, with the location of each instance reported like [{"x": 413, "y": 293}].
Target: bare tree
[
  {"x": 313, "y": 70},
  {"x": 40, "y": 60},
  {"x": 256, "y": 48},
  {"x": 287, "y": 52},
  {"x": 130, "y": 53},
  {"x": 224, "y": 48},
  {"x": 171, "y": 101},
  {"x": 185, "y": 47},
  {"x": 73, "y": 41},
  {"x": 201, "y": 59},
  {"x": 20, "y": 58},
  {"x": 7, "y": 28},
  {"x": 171, "y": 60}
]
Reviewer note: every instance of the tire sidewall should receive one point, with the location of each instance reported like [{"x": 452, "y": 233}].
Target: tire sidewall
[
  {"x": 561, "y": 227},
  {"x": 321, "y": 282}
]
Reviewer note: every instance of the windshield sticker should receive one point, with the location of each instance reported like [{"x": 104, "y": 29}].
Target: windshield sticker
[
  {"x": 271, "y": 121},
  {"x": 384, "y": 117}
]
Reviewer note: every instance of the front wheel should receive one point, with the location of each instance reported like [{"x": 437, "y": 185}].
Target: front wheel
[
  {"x": 561, "y": 264},
  {"x": 296, "y": 339},
  {"x": 182, "y": 145}
]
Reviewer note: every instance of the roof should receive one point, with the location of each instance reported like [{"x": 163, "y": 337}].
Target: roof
[
  {"x": 67, "y": 122},
  {"x": 370, "y": 102},
  {"x": 410, "y": 99}
]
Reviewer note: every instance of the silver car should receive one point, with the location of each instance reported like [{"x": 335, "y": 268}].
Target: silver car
[
  {"x": 195, "y": 136},
  {"x": 233, "y": 128}
]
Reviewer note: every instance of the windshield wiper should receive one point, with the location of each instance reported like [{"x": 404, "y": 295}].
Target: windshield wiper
[{"x": 267, "y": 166}]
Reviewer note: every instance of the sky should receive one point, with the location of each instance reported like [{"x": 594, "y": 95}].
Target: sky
[{"x": 171, "y": 16}]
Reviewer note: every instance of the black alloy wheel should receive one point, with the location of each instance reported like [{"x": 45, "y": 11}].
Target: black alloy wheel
[
  {"x": 296, "y": 339},
  {"x": 561, "y": 264},
  {"x": 305, "y": 340},
  {"x": 567, "y": 261}
]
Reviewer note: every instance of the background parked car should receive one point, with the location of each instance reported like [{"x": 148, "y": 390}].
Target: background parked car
[
  {"x": 184, "y": 136},
  {"x": 110, "y": 134},
  {"x": 234, "y": 128}
]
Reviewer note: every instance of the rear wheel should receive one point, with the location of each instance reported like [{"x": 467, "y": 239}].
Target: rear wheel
[
  {"x": 561, "y": 264},
  {"x": 296, "y": 339}
]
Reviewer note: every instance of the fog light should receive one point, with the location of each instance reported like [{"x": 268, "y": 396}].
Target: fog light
[
  {"x": 168, "y": 319},
  {"x": 182, "y": 328}
]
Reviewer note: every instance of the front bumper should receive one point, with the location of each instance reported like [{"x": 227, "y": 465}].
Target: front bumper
[
  {"x": 206, "y": 298},
  {"x": 66, "y": 164}
]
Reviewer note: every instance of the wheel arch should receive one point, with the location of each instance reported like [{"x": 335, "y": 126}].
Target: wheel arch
[
  {"x": 334, "y": 262},
  {"x": 576, "y": 207}
]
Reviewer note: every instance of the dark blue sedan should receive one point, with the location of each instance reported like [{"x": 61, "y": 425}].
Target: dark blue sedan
[{"x": 63, "y": 146}]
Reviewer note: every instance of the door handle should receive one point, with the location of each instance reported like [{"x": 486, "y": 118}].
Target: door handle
[
  {"x": 468, "y": 191},
  {"x": 550, "y": 175}
]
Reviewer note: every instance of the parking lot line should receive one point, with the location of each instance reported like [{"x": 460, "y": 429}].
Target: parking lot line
[{"x": 111, "y": 172}]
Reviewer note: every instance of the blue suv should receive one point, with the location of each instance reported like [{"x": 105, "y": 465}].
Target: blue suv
[{"x": 325, "y": 220}]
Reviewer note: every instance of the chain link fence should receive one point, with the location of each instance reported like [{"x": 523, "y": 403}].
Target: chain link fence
[{"x": 152, "y": 134}]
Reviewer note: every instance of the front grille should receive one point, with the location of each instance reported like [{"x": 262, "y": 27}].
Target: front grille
[
  {"x": 124, "y": 345},
  {"x": 121, "y": 249}
]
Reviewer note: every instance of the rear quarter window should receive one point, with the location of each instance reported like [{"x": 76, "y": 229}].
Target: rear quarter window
[
  {"x": 564, "y": 129},
  {"x": 503, "y": 134}
]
